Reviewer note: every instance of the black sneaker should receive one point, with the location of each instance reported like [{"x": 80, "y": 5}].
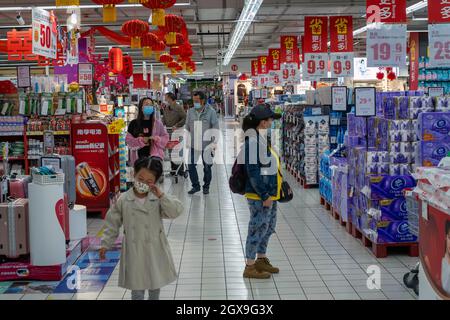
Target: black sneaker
[
  {"x": 206, "y": 191},
  {"x": 194, "y": 190}
]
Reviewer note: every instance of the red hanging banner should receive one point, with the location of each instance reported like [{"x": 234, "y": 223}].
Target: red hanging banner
[
  {"x": 414, "y": 61},
  {"x": 262, "y": 65},
  {"x": 439, "y": 11},
  {"x": 341, "y": 34},
  {"x": 274, "y": 59},
  {"x": 288, "y": 45},
  {"x": 316, "y": 34},
  {"x": 386, "y": 11},
  {"x": 254, "y": 68}
]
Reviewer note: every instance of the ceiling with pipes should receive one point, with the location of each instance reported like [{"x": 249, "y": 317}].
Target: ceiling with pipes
[{"x": 210, "y": 25}]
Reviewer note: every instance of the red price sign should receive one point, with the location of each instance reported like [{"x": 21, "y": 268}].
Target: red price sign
[
  {"x": 44, "y": 34},
  {"x": 439, "y": 44},
  {"x": 386, "y": 45},
  {"x": 316, "y": 66},
  {"x": 342, "y": 64}
]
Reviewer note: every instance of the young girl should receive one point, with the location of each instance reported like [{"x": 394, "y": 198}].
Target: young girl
[{"x": 146, "y": 261}]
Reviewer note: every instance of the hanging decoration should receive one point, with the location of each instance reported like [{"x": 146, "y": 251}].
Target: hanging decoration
[
  {"x": 174, "y": 28},
  {"x": 165, "y": 58},
  {"x": 67, "y": 3},
  {"x": 19, "y": 45},
  {"x": 380, "y": 75},
  {"x": 243, "y": 77},
  {"x": 175, "y": 51},
  {"x": 158, "y": 48},
  {"x": 391, "y": 76},
  {"x": 148, "y": 42},
  {"x": 115, "y": 60},
  {"x": 127, "y": 70},
  {"x": 109, "y": 9},
  {"x": 135, "y": 29},
  {"x": 158, "y": 10}
]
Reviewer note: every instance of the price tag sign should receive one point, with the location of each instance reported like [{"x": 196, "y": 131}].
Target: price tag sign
[
  {"x": 263, "y": 80},
  {"x": 316, "y": 66},
  {"x": 339, "y": 98},
  {"x": 274, "y": 79},
  {"x": 23, "y": 77},
  {"x": 365, "y": 102},
  {"x": 257, "y": 94},
  {"x": 435, "y": 91},
  {"x": 255, "y": 82},
  {"x": 85, "y": 74},
  {"x": 386, "y": 45},
  {"x": 341, "y": 64},
  {"x": 439, "y": 44},
  {"x": 264, "y": 94},
  {"x": 290, "y": 74},
  {"x": 44, "y": 34}
]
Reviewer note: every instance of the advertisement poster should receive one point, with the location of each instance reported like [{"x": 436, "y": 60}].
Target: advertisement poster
[
  {"x": 263, "y": 65},
  {"x": 435, "y": 250},
  {"x": 438, "y": 11},
  {"x": 413, "y": 60},
  {"x": 92, "y": 170},
  {"x": 386, "y": 45},
  {"x": 44, "y": 33},
  {"x": 316, "y": 49},
  {"x": 288, "y": 47},
  {"x": 341, "y": 46},
  {"x": 386, "y": 11},
  {"x": 439, "y": 45}
]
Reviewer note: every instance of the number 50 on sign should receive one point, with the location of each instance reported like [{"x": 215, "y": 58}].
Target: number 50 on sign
[{"x": 44, "y": 40}]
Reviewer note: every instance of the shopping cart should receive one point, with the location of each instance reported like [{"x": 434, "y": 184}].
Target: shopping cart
[
  {"x": 411, "y": 278},
  {"x": 170, "y": 170}
]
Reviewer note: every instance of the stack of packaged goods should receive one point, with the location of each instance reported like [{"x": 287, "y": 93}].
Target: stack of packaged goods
[
  {"x": 433, "y": 77},
  {"x": 340, "y": 186},
  {"x": 325, "y": 187},
  {"x": 309, "y": 165},
  {"x": 293, "y": 136}
]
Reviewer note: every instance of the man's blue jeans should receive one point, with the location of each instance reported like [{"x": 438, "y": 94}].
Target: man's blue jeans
[{"x": 192, "y": 166}]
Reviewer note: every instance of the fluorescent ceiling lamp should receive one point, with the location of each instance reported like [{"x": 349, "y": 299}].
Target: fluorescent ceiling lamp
[
  {"x": 419, "y": 5},
  {"x": 248, "y": 14},
  {"x": 84, "y": 6}
]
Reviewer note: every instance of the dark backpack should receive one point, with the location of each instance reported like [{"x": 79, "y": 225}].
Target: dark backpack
[{"x": 238, "y": 178}]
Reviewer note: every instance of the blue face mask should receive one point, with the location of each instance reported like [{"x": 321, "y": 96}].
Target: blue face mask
[
  {"x": 148, "y": 110},
  {"x": 197, "y": 105}
]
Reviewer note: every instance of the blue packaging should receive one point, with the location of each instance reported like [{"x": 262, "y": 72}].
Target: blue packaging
[
  {"x": 433, "y": 126},
  {"x": 431, "y": 152},
  {"x": 391, "y": 232},
  {"x": 382, "y": 187}
]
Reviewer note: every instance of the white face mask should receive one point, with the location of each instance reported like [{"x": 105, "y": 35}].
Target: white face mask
[{"x": 141, "y": 187}]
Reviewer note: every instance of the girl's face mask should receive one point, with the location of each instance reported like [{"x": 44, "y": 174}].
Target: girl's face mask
[
  {"x": 141, "y": 187},
  {"x": 148, "y": 110}
]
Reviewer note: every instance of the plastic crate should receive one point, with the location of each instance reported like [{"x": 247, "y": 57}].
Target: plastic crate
[{"x": 48, "y": 179}]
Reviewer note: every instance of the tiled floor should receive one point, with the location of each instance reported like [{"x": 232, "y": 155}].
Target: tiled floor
[{"x": 317, "y": 257}]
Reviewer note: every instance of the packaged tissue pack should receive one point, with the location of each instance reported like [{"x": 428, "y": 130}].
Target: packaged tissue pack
[
  {"x": 388, "y": 209},
  {"x": 434, "y": 126},
  {"x": 431, "y": 152},
  {"x": 380, "y": 187},
  {"x": 390, "y": 231}
]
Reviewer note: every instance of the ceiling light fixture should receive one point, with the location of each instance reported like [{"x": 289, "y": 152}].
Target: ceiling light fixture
[{"x": 248, "y": 14}]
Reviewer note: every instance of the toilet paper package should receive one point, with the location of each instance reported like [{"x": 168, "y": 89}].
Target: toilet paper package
[
  {"x": 401, "y": 107},
  {"x": 400, "y": 157},
  {"x": 383, "y": 168},
  {"x": 381, "y": 187},
  {"x": 390, "y": 231},
  {"x": 404, "y": 147},
  {"x": 442, "y": 104},
  {"x": 431, "y": 152},
  {"x": 427, "y": 103},
  {"x": 399, "y": 169},
  {"x": 433, "y": 126},
  {"x": 356, "y": 125}
]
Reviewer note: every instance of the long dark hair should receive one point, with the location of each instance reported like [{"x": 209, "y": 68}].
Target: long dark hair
[{"x": 140, "y": 116}]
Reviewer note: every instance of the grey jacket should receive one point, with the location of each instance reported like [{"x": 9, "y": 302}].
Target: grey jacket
[{"x": 199, "y": 123}]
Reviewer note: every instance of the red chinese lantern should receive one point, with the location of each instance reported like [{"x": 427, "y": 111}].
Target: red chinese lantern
[
  {"x": 243, "y": 77},
  {"x": 127, "y": 70},
  {"x": 388, "y": 69},
  {"x": 175, "y": 51},
  {"x": 186, "y": 50},
  {"x": 380, "y": 75},
  {"x": 158, "y": 7},
  {"x": 158, "y": 48},
  {"x": 135, "y": 29},
  {"x": 115, "y": 60},
  {"x": 148, "y": 41},
  {"x": 391, "y": 76},
  {"x": 109, "y": 9},
  {"x": 174, "y": 25},
  {"x": 165, "y": 58}
]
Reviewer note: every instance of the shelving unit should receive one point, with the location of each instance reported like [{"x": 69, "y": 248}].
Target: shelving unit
[{"x": 433, "y": 77}]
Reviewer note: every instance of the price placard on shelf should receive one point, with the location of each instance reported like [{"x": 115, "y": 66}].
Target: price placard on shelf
[
  {"x": 386, "y": 45},
  {"x": 44, "y": 33},
  {"x": 365, "y": 102},
  {"x": 290, "y": 73},
  {"x": 257, "y": 94},
  {"x": 439, "y": 44},
  {"x": 274, "y": 78},
  {"x": 85, "y": 74},
  {"x": 435, "y": 91},
  {"x": 315, "y": 66},
  {"x": 342, "y": 64},
  {"x": 23, "y": 77},
  {"x": 339, "y": 98}
]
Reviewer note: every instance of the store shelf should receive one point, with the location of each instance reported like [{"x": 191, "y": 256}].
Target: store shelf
[
  {"x": 34, "y": 157},
  {"x": 41, "y": 133},
  {"x": 11, "y": 134}
]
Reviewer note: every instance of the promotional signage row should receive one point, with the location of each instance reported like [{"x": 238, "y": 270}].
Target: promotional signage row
[{"x": 439, "y": 33}]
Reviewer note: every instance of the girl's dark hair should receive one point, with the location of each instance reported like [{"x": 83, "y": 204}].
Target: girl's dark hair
[
  {"x": 152, "y": 164},
  {"x": 250, "y": 122},
  {"x": 140, "y": 116}
]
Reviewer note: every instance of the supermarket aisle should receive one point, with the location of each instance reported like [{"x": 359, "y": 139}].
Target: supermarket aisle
[{"x": 317, "y": 258}]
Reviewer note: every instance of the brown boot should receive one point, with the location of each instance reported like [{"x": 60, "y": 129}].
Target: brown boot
[
  {"x": 263, "y": 264},
  {"x": 253, "y": 272}
]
